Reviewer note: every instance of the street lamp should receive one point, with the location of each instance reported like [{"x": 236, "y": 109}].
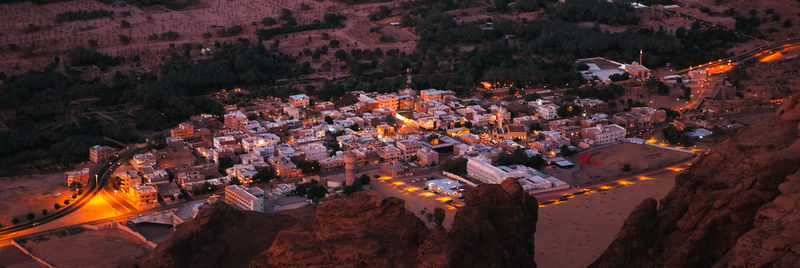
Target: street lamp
[{"x": 95, "y": 180}]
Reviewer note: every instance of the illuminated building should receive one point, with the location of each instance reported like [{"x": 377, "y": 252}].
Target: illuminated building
[
  {"x": 455, "y": 132},
  {"x": 547, "y": 111},
  {"x": 445, "y": 186},
  {"x": 183, "y": 130},
  {"x": 389, "y": 153},
  {"x": 386, "y": 131},
  {"x": 99, "y": 153},
  {"x": 299, "y": 100},
  {"x": 408, "y": 147},
  {"x": 390, "y": 101},
  {"x": 234, "y": 120},
  {"x": 78, "y": 176},
  {"x": 245, "y": 198},
  {"x": 604, "y": 134},
  {"x": 434, "y": 95},
  {"x": 142, "y": 195},
  {"x": 427, "y": 157}
]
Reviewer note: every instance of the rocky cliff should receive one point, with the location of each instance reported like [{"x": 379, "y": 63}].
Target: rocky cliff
[
  {"x": 737, "y": 207},
  {"x": 221, "y": 236},
  {"x": 494, "y": 229}
]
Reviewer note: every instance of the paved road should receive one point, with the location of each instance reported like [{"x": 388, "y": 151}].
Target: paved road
[
  {"x": 97, "y": 186},
  {"x": 755, "y": 54}
]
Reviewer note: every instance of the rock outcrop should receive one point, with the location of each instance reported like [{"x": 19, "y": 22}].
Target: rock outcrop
[
  {"x": 222, "y": 236},
  {"x": 737, "y": 207},
  {"x": 364, "y": 230},
  {"x": 494, "y": 229}
]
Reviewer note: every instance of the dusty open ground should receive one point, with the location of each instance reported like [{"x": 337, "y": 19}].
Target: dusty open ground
[
  {"x": 12, "y": 257},
  {"x": 414, "y": 200},
  {"x": 101, "y": 248},
  {"x": 575, "y": 232},
  {"x": 21, "y": 195},
  {"x": 607, "y": 163}
]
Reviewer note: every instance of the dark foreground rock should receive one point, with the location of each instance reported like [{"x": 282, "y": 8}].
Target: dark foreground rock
[
  {"x": 737, "y": 207},
  {"x": 494, "y": 229}
]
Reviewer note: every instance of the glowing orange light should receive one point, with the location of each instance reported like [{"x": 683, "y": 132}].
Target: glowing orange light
[
  {"x": 427, "y": 194},
  {"x": 487, "y": 85},
  {"x": 652, "y": 140},
  {"x": 624, "y": 182},
  {"x": 605, "y": 187},
  {"x": 398, "y": 183},
  {"x": 644, "y": 178},
  {"x": 411, "y": 189},
  {"x": 771, "y": 57},
  {"x": 720, "y": 69},
  {"x": 444, "y": 198},
  {"x": 384, "y": 178},
  {"x": 676, "y": 169}
]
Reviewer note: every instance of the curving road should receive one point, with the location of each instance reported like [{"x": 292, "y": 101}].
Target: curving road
[
  {"x": 761, "y": 53},
  {"x": 101, "y": 173}
]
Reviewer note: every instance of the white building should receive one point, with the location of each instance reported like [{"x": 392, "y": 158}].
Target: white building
[
  {"x": 389, "y": 101},
  {"x": 314, "y": 151},
  {"x": 99, "y": 153},
  {"x": 433, "y": 95},
  {"x": 292, "y": 112},
  {"x": 264, "y": 140},
  {"x": 604, "y": 134},
  {"x": 427, "y": 156},
  {"x": 235, "y": 119},
  {"x": 299, "y": 100},
  {"x": 245, "y": 198},
  {"x": 482, "y": 170},
  {"x": 547, "y": 111}
]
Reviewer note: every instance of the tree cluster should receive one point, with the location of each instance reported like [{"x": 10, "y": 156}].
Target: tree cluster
[
  {"x": 330, "y": 21},
  {"x": 519, "y": 157},
  {"x": 83, "y": 15}
]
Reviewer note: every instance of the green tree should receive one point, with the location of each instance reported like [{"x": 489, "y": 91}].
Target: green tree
[
  {"x": 309, "y": 167},
  {"x": 329, "y": 120},
  {"x": 265, "y": 175},
  {"x": 455, "y": 165},
  {"x": 44, "y": 211},
  {"x": 566, "y": 151},
  {"x": 364, "y": 179},
  {"x": 224, "y": 163},
  {"x": 31, "y": 216},
  {"x": 340, "y": 54}
]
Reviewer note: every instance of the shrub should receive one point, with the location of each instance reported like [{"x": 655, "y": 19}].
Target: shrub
[{"x": 31, "y": 216}]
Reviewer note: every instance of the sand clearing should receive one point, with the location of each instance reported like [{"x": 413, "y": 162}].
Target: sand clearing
[
  {"x": 574, "y": 233},
  {"x": 30, "y": 193},
  {"x": 101, "y": 248},
  {"x": 606, "y": 163}
]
